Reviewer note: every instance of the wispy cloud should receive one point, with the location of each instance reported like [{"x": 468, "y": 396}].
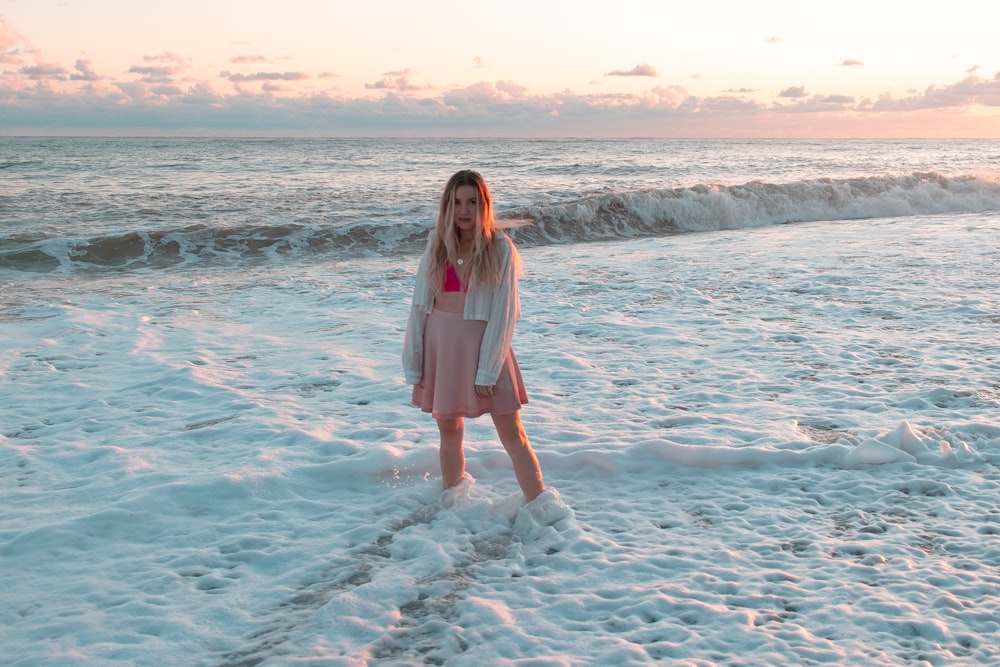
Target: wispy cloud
[
  {"x": 162, "y": 68},
  {"x": 247, "y": 60},
  {"x": 264, "y": 76},
  {"x": 155, "y": 73},
  {"x": 817, "y": 104},
  {"x": 44, "y": 72},
  {"x": 167, "y": 57},
  {"x": 11, "y": 57},
  {"x": 852, "y": 62},
  {"x": 638, "y": 70},
  {"x": 8, "y": 36},
  {"x": 398, "y": 81}
]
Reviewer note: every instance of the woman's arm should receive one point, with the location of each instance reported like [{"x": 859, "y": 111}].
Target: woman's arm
[
  {"x": 413, "y": 345},
  {"x": 413, "y": 340},
  {"x": 499, "y": 334}
]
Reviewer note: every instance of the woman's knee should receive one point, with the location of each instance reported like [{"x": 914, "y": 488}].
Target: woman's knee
[
  {"x": 510, "y": 430},
  {"x": 451, "y": 428}
]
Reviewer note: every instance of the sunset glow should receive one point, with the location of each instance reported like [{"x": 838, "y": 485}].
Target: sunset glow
[{"x": 639, "y": 68}]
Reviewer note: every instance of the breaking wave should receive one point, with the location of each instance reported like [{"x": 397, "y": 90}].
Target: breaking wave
[{"x": 597, "y": 217}]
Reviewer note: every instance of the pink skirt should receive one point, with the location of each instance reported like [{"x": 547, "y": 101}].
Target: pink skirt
[{"x": 451, "y": 358}]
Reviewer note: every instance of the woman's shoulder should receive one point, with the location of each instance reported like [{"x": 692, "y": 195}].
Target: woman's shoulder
[
  {"x": 503, "y": 241},
  {"x": 509, "y": 255},
  {"x": 431, "y": 239}
]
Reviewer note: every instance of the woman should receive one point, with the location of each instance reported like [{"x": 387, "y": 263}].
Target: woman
[{"x": 457, "y": 351}]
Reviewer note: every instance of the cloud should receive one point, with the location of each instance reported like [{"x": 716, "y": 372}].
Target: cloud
[
  {"x": 12, "y": 44},
  {"x": 204, "y": 95},
  {"x": 136, "y": 93},
  {"x": 9, "y": 38},
  {"x": 163, "y": 69},
  {"x": 638, "y": 70},
  {"x": 793, "y": 91},
  {"x": 247, "y": 60},
  {"x": 398, "y": 80},
  {"x": 969, "y": 91},
  {"x": 498, "y": 108},
  {"x": 166, "y": 56},
  {"x": 851, "y": 62},
  {"x": 486, "y": 94},
  {"x": 12, "y": 57},
  {"x": 154, "y": 73},
  {"x": 166, "y": 90},
  {"x": 817, "y": 104},
  {"x": 479, "y": 63},
  {"x": 673, "y": 96},
  {"x": 773, "y": 40},
  {"x": 264, "y": 76},
  {"x": 45, "y": 72},
  {"x": 85, "y": 72}
]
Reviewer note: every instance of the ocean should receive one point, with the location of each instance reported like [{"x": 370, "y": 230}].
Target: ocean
[
  {"x": 764, "y": 386},
  {"x": 77, "y": 204}
]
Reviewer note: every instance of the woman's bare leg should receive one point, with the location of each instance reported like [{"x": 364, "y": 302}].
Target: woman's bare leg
[
  {"x": 452, "y": 454},
  {"x": 515, "y": 441}
]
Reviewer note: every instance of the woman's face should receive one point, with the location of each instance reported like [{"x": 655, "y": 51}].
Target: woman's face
[{"x": 466, "y": 208}]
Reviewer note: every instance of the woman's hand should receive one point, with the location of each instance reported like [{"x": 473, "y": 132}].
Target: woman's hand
[{"x": 484, "y": 391}]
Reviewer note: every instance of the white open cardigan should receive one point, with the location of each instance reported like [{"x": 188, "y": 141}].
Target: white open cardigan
[{"x": 499, "y": 307}]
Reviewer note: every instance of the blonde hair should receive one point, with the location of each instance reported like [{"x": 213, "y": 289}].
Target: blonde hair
[{"x": 485, "y": 260}]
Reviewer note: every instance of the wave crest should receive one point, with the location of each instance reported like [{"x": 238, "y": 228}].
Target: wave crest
[{"x": 756, "y": 204}]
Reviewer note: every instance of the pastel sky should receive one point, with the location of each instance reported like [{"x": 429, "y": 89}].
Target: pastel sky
[{"x": 520, "y": 68}]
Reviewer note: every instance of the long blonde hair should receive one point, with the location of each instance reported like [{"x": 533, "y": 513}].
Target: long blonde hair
[{"x": 485, "y": 260}]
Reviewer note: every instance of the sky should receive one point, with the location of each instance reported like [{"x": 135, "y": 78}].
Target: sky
[{"x": 518, "y": 68}]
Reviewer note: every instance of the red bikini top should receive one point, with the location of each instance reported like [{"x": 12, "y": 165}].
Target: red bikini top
[{"x": 451, "y": 281}]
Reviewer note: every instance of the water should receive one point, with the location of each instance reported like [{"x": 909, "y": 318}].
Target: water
[
  {"x": 69, "y": 204},
  {"x": 762, "y": 380}
]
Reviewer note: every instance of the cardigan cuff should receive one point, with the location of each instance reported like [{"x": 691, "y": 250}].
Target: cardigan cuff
[{"x": 486, "y": 379}]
